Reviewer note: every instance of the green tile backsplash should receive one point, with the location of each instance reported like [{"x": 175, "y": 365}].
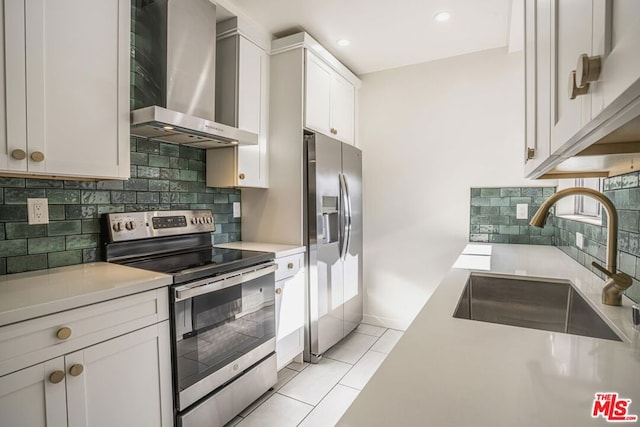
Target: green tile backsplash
[
  {"x": 163, "y": 177},
  {"x": 493, "y": 219},
  {"x": 493, "y": 215}
]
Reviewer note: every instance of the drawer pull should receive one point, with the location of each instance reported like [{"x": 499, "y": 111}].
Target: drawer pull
[
  {"x": 56, "y": 377},
  {"x": 290, "y": 266},
  {"x": 278, "y": 291},
  {"x": 241, "y": 176},
  {"x": 63, "y": 333},
  {"x": 76, "y": 370}
]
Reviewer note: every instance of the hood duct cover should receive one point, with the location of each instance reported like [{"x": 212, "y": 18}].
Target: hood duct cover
[{"x": 174, "y": 82}]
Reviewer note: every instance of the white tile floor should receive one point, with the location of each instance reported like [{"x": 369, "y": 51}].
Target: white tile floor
[{"x": 310, "y": 395}]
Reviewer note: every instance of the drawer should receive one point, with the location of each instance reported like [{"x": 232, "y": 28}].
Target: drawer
[
  {"x": 34, "y": 341},
  {"x": 288, "y": 266}
]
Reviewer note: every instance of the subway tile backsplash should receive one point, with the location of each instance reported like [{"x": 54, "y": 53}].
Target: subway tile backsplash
[
  {"x": 163, "y": 177},
  {"x": 493, "y": 219},
  {"x": 493, "y": 215}
]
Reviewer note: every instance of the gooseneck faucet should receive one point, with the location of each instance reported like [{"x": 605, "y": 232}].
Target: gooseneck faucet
[{"x": 617, "y": 282}]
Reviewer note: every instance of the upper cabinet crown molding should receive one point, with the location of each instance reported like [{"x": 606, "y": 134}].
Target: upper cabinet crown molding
[{"x": 306, "y": 41}]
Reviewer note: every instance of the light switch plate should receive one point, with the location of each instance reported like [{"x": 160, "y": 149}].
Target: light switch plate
[
  {"x": 38, "y": 211},
  {"x": 236, "y": 210},
  {"x": 579, "y": 240},
  {"x": 522, "y": 211}
]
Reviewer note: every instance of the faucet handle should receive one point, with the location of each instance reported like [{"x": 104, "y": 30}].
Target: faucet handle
[
  {"x": 622, "y": 280},
  {"x": 602, "y": 269}
]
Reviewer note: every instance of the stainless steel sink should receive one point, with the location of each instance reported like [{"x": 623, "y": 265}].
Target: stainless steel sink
[{"x": 529, "y": 303}]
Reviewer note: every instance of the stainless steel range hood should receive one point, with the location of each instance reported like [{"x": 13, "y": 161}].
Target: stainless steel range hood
[
  {"x": 159, "y": 124},
  {"x": 176, "y": 63}
]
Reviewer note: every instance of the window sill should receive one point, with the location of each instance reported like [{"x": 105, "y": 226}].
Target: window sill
[{"x": 583, "y": 218}]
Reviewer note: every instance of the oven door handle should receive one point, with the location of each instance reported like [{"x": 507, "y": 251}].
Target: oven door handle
[{"x": 224, "y": 281}]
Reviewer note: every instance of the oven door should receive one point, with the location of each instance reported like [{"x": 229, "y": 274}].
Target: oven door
[{"x": 222, "y": 326}]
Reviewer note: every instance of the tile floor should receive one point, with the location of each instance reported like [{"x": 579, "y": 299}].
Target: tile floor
[{"x": 317, "y": 395}]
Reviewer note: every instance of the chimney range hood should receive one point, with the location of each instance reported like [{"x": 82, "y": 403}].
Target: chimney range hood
[{"x": 173, "y": 75}]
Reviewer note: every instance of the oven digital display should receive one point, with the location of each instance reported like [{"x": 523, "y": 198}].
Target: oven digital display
[{"x": 169, "y": 222}]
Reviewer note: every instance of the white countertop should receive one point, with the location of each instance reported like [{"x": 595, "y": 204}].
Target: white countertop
[
  {"x": 38, "y": 293},
  {"x": 446, "y": 371},
  {"x": 279, "y": 249}
]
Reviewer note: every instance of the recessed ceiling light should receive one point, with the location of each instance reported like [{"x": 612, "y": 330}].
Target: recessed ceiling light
[
  {"x": 344, "y": 42},
  {"x": 442, "y": 16},
  {"x": 167, "y": 127}
]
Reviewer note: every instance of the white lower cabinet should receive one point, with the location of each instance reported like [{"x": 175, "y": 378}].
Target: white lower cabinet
[
  {"x": 122, "y": 381},
  {"x": 30, "y": 398},
  {"x": 290, "y": 284}
]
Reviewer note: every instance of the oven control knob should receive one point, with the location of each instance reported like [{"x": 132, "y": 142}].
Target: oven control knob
[
  {"x": 209, "y": 220},
  {"x": 194, "y": 220},
  {"x": 117, "y": 226},
  {"x": 201, "y": 220},
  {"x": 130, "y": 225}
]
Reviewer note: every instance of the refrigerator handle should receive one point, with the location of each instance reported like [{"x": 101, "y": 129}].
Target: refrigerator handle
[
  {"x": 345, "y": 216},
  {"x": 348, "y": 216}
]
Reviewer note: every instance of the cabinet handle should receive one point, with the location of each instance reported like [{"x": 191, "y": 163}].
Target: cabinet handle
[
  {"x": 241, "y": 176},
  {"x": 19, "y": 154},
  {"x": 588, "y": 69},
  {"x": 56, "y": 377},
  {"x": 574, "y": 90},
  {"x": 76, "y": 370},
  {"x": 63, "y": 333},
  {"x": 290, "y": 266},
  {"x": 278, "y": 291},
  {"x": 37, "y": 156},
  {"x": 531, "y": 153},
  {"x": 334, "y": 131}
]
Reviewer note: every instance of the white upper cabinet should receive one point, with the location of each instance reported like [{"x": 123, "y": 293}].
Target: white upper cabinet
[
  {"x": 621, "y": 66},
  {"x": 242, "y": 100},
  {"x": 582, "y": 87},
  {"x": 329, "y": 101},
  {"x": 538, "y": 83},
  {"x": 577, "y": 28},
  {"x": 66, "y": 79}
]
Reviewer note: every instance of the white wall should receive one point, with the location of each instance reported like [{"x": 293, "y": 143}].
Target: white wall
[{"x": 428, "y": 133}]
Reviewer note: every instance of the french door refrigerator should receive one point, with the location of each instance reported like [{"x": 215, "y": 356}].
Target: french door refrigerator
[{"x": 334, "y": 242}]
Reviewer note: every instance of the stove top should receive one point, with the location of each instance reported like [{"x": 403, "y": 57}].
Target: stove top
[
  {"x": 172, "y": 242},
  {"x": 197, "y": 264}
]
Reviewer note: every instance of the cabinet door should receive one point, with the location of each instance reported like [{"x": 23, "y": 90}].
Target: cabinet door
[
  {"x": 125, "y": 381},
  {"x": 317, "y": 112},
  {"x": 289, "y": 318},
  {"x": 621, "y": 65},
  {"x": 252, "y": 113},
  {"x": 577, "y": 28},
  {"x": 29, "y": 398},
  {"x": 342, "y": 109},
  {"x": 77, "y": 87},
  {"x": 13, "y": 106},
  {"x": 538, "y": 83}
]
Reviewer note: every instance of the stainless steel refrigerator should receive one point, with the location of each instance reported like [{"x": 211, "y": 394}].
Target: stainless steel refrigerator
[{"x": 334, "y": 242}]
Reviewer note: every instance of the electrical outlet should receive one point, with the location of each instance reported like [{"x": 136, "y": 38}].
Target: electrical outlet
[
  {"x": 522, "y": 211},
  {"x": 236, "y": 210},
  {"x": 38, "y": 211},
  {"x": 579, "y": 240}
]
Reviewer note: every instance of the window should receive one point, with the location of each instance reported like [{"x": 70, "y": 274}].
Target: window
[{"x": 580, "y": 208}]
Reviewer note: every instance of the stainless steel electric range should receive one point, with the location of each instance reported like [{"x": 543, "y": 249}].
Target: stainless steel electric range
[{"x": 222, "y": 309}]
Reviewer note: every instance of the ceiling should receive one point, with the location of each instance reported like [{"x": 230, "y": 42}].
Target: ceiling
[{"x": 388, "y": 34}]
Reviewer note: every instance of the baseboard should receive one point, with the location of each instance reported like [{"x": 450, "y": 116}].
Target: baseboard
[{"x": 385, "y": 322}]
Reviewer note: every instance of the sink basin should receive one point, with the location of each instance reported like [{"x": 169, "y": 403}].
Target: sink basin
[{"x": 530, "y": 303}]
